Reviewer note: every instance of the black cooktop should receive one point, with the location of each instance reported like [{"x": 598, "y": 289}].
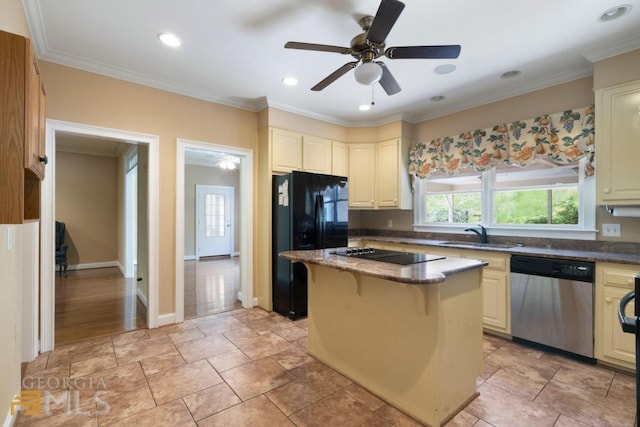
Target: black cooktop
[{"x": 383, "y": 255}]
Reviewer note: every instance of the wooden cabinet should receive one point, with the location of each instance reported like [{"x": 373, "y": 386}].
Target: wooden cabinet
[
  {"x": 316, "y": 155},
  {"x": 286, "y": 150},
  {"x": 618, "y": 127},
  {"x": 35, "y": 95},
  {"x": 613, "y": 346},
  {"x": 362, "y": 161},
  {"x": 22, "y": 130},
  {"x": 339, "y": 158}
]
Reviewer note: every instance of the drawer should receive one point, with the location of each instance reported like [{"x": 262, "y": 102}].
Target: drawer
[{"x": 620, "y": 278}]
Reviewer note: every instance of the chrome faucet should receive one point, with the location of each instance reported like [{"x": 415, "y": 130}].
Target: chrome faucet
[{"x": 482, "y": 233}]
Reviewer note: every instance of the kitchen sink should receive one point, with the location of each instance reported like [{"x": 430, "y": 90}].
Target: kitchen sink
[{"x": 476, "y": 245}]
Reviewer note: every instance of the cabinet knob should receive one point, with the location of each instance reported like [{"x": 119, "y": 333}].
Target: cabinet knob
[
  {"x": 372, "y": 203},
  {"x": 44, "y": 159},
  {"x": 629, "y": 281},
  {"x": 607, "y": 300},
  {"x": 606, "y": 190}
]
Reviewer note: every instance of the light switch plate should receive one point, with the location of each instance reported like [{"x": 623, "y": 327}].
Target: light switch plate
[{"x": 611, "y": 230}]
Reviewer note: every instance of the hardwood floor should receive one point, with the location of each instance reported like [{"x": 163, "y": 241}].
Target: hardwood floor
[
  {"x": 96, "y": 302},
  {"x": 211, "y": 286}
]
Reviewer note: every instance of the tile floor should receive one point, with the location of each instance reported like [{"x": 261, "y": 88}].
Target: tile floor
[{"x": 250, "y": 368}]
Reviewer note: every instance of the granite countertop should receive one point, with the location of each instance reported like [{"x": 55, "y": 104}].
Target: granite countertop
[
  {"x": 593, "y": 256},
  {"x": 423, "y": 273}
]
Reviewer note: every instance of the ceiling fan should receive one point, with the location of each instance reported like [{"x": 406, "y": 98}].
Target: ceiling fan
[{"x": 368, "y": 46}]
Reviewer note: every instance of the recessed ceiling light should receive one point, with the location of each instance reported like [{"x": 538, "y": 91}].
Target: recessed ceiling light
[
  {"x": 510, "y": 74},
  {"x": 444, "y": 69},
  {"x": 437, "y": 98},
  {"x": 614, "y": 13},
  {"x": 290, "y": 81},
  {"x": 169, "y": 39},
  {"x": 364, "y": 107}
]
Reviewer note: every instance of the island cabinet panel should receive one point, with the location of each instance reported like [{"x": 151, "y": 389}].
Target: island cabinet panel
[
  {"x": 618, "y": 125},
  {"x": 612, "y": 346},
  {"x": 418, "y": 347}
]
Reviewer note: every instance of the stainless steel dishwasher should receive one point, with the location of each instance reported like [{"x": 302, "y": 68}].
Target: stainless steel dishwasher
[{"x": 552, "y": 303}]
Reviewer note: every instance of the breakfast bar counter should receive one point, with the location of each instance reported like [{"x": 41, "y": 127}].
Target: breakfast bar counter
[{"x": 410, "y": 334}]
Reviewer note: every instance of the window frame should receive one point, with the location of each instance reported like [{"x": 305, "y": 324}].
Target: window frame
[{"x": 584, "y": 230}]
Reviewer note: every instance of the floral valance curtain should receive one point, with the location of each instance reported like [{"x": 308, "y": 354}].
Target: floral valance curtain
[{"x": 563, "y": 137}]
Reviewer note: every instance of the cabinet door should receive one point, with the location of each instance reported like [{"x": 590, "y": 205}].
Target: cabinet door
[
  {"x": 617, "y": 124},
  {"x": 339, "y": 159},
  {"x": 362, "y": 175},
  {"x": 286, "y": 151},
  {"x": 34, "y": 118},
  {"x": 615, "y": 343},
  {"x": 316, "y": 155},
  {"x": 387, "y": 173},
  {"x": 495, "y": 300}
]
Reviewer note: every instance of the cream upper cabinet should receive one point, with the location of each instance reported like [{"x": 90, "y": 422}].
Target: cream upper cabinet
[
  {"x": 617, "y": 136},
  {"x": 612, "y": 345},
  {"x": 316, "y": 154},
  {"x": 362, "y": 161},
  {"x": 286, "y": 151},
  {"x": 339, "y": 158},
  {"x": 387, "y": 185}
]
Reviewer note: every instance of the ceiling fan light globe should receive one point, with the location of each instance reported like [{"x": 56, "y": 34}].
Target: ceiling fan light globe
[{"x": 368, "y": 73}]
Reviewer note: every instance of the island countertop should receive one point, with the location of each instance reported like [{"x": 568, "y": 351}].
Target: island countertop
[{"x": 423, "y": 273}]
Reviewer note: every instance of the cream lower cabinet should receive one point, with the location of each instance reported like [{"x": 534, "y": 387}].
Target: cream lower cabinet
[
  {"x": 496, "y": 292},
  {"x": 613, "y": 346},
  {"x": 617, "y": 124}
]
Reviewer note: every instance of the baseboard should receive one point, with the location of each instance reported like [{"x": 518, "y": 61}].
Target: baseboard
[
  {"x": 142, "y": 297},
  {"x": 235, "y": 253},
  {"x": 121, "y": 268},
  {"x": 255, "y": 302},
  {"x": 93, "y": 265},
  {"x": 189, "y": 257},
  {"x": 10, "y": 420},
  {"x": 166, "y": 319}
]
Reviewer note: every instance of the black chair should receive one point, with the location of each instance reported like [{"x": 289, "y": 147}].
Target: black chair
[{"x": 61, "y": 248}]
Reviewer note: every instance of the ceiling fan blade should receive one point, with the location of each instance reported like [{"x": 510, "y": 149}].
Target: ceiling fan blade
[
  {"x": 317, "y": 47},
  {"x": 385, "y": 19},
  {"x": 423, "y": 52},
  {"x": 335, "y": 76},
  {"x": 388, "y": 83}
]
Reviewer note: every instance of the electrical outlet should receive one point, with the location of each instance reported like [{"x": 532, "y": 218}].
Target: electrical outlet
[
  {"x": 389, "y": 223},
  {"x": 9, "y": 239},
  {"x": 611, "y": 230}
]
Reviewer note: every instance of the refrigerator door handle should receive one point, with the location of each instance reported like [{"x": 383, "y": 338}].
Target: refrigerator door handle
[{"x": 320, "y": 222}]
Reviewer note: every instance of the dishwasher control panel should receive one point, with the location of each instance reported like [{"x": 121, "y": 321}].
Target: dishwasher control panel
[{"x": 553, "y": 267}]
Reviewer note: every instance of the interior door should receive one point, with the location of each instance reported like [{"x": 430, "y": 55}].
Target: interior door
[{"x": 214, "y": 220}]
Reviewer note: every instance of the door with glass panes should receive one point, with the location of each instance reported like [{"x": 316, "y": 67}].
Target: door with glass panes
[{"x": 214, "y": 221}]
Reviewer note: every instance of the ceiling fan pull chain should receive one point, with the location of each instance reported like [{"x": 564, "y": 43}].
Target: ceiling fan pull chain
[{"x": 373, "y": 101}]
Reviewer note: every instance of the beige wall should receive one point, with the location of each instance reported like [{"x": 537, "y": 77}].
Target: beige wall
[
  {"x": 12, "y": 19},
  {"x": 618, "y": 69},
  {"x": 78, "y": 96},
  {"x": 87, "y": 202},
  {"x": 202, "y": 175}
]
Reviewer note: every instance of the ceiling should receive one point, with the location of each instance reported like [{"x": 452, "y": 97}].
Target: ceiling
[{"x": 233, "y": 52}]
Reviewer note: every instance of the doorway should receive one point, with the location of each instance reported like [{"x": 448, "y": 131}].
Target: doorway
[
  {"x": 241, "y": 230},
  {"x": 147, "y": 209}
]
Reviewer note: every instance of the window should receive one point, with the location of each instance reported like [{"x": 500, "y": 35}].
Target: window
[{"x": 542, "y": 196}]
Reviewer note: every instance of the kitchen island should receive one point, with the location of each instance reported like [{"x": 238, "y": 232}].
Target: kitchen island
[{"x": 410, "y": 334}]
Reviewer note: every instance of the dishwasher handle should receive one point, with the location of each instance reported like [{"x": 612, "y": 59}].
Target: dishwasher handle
[{"x": 629, "y": 324}]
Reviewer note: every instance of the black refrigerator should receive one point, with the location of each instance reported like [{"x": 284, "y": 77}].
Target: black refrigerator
[{"x": 310, "y": 211}]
